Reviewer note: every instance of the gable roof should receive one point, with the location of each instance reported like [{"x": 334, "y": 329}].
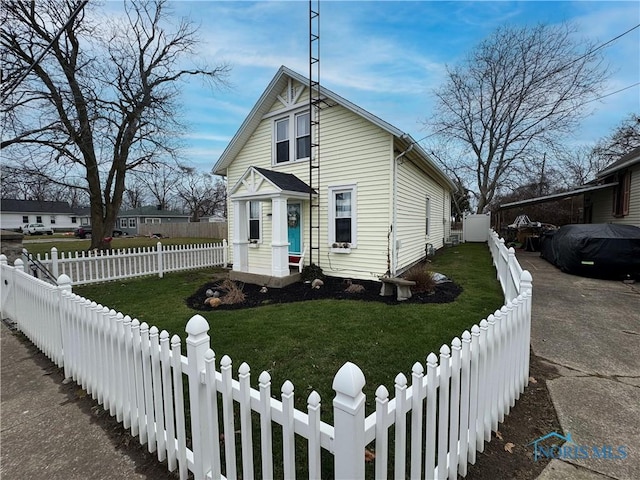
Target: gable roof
[
  {"x": 34, "y": 206},
  {"x": 625, "y": 161},
  {"x": 253, "y": 178},
  {"x": 270, "y": 95}
]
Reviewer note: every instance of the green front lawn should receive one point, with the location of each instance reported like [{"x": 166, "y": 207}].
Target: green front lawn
[{"x": 307, "y": 342}]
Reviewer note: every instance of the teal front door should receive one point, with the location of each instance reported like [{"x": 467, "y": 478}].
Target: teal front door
[{"x": 294, "y": 215}]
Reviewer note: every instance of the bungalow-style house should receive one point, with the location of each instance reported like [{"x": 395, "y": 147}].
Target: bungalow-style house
[
  {"x": 382, "y": 200},
  {"x": 620, "y": 203},
  {"x": 612, "y": 197},
  {"x": 129, "y": 221},
  {"x": 57, "y": 215}
]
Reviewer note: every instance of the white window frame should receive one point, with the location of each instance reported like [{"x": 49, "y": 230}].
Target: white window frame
[
  {"x": 333, "y": 190},
  {"x": 123, "y": 223},
  {"x": 292, "y": 132},
  {"x": 152, "y": 220},
  {"x": 258, "y": 218},
  {"x": 132, "y": 223},
  {"x": 53, "y": 220}
]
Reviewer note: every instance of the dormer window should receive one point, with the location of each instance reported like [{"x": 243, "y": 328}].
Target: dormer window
[{"x": 295, "y": 126}]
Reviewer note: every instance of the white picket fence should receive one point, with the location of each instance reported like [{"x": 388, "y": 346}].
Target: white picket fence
[
  {"x": 89, "y": 267},
  {"x": 508, "y": 269},
  {"x": 438, "y": 420}
]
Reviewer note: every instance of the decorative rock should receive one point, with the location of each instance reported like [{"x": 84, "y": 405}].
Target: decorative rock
[
  {"x": 317, "y": 283},
  {"x": 209, "y": 293},
  {"x": 264, "y": 290},
  {"x": 206, "y": 301},
  {"x": 215, "y": 302},
  {"x": 355, "y": 288},
  {"x": 216, "y": 294}
]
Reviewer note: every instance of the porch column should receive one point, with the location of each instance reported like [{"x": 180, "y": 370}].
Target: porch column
[
  {"x": 279, "y": 239},
  {"x": 240, "y": 236}
]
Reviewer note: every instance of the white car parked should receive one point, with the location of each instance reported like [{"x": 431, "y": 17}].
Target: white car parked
[{"x": 36, "y": 229}]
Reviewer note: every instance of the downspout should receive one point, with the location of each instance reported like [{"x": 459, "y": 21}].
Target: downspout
[{"x": 394, "y": 231}]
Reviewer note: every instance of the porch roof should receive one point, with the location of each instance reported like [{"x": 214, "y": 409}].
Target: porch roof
[{"x": 259, "y": 182}]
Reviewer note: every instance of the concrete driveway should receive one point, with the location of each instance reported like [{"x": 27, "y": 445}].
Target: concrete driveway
[{"x": 589, "y": 329}]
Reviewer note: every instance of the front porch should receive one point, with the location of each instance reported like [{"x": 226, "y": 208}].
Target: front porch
[{"x": 268, "y": 240}]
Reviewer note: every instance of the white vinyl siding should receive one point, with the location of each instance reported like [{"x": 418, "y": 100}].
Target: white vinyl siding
[{"x": 411, "y": 237}]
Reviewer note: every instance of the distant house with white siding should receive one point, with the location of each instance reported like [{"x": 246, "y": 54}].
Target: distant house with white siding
[
  {"x": 620, "y": 203},
  {"x": 382, "y": 200},
  {"x": 57, "y": 215}
]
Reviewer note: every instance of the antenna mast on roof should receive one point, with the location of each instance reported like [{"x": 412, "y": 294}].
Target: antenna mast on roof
[{"x": 314, "y": 125}]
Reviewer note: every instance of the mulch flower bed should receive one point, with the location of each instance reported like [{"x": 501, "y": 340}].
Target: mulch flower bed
[{"x": 333, "y": 288}]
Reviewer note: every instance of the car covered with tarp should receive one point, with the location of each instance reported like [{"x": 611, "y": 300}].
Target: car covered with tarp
[{"x": 602, "y": 250}]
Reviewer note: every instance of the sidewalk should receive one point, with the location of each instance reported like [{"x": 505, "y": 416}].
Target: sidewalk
[
  {"x": 54, "y": 431},
  {"x": 589, "y": 330}
]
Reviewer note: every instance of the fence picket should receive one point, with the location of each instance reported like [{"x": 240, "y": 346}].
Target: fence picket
[
  {"x": 167, "y": 398},
  {"x": 178, "y": 398},
  {"x": 212, "y": 412},
  {"x": 382, "y": 432},
  {"x": 430, "y": 420},
  {"x": 244, "y": 377},
  {"x": 454, "y": 413},
  {"x": 226, "y": 392},
  {"x": 313, "y": 411},
  {"x": 417, "y": 398},
  {"x": 266, "y": 449},
  {"x": 288, "y": 432},
  {"x": 400, "y": 425}
]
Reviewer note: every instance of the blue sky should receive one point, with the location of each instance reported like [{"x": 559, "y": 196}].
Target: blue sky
[{"x": 386, "y": 57}]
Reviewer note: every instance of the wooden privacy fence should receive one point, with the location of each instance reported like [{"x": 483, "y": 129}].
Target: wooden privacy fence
[
  {"x": 433, "y": 425},
  {"x": 185, "y": 230},
  {"x": 87, "y": 267}
]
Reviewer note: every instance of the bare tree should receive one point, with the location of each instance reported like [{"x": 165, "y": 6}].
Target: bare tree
[
  {"x": 624, "y": 138},
  {"x": 102, "y": 99},
  {"x": 516, "y": 95},
  {"x": 160, "y": 182},
  {"x": 202, "y": 194}
]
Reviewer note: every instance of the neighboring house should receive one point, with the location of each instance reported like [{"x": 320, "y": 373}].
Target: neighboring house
[
  {"x": 612, "y": 197},
  {"x": 129, "y": 221},
  {"x": 382, "y": 200},
  {"x": 57, "y": 215},
  {"x": 620, "y": 203}
]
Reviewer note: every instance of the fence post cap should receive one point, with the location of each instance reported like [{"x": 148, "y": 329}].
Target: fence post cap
[
  {"x": 349, "y": 380},
  {"x": 18, "y": 263},
  {"x": 197, "y": 325},
  {"x": 64, "y": 280},
  {"x": 3, "y": 259}
]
